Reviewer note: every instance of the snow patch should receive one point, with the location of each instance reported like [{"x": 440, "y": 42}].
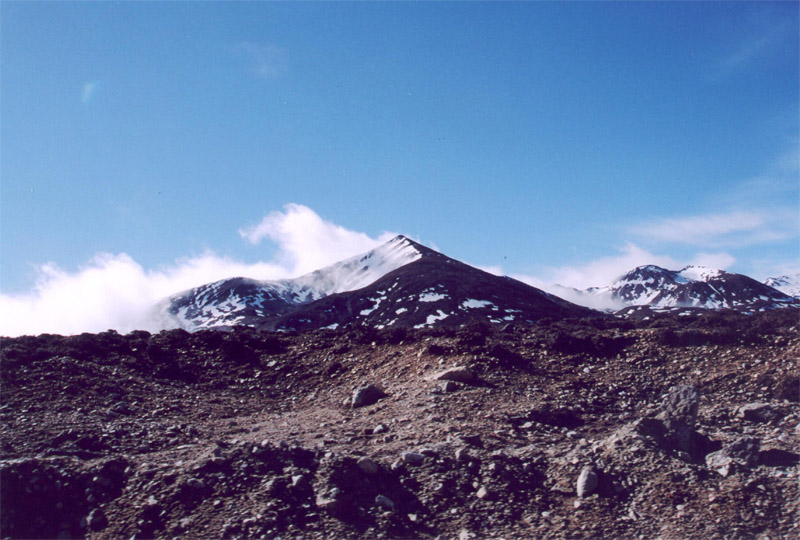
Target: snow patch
[
  {"x": 700, "y": 273},
  {"x": 431, "y": 297},
  {"x": 432, "y": 318},
  {"x": 377, "y": 301},
  {"x": 471, "y": 303}
]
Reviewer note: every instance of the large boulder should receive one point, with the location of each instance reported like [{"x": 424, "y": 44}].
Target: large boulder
[
  {"x": 679, "y": 414},
  {"x": 587, "y": 481},
  {"x": 742, "y": 453},
  {"x": 366, "y": 395}
]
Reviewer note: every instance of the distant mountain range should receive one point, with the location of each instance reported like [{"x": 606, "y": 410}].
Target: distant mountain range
[
  {"x": 691, "y": 287},
  {"x": 788, "y": 284},
  {"x": 404, "y": 284}
]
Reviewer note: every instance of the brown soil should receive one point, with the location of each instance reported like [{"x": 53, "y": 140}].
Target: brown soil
[{"x": 250, "y": 434}]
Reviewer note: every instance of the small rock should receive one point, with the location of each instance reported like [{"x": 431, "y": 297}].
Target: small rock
[
  {"x": 460, "y": 374},
  {"x": 121, "y": 408},
  {"x": 741, "y": 452},
  {"x": 96, "y": 520},
  {"x": 472, "y": 440},
  {"x": 681, "y": 405},
  {"x": 587, "y": 482},
  {"x": 462, "y": 454},
  {"x": 450, "y": 386},
  {"x": 413, "y": 458},
  {"x": 327, "y": 504},
  {"x": 366, "y": 395},
  {"x": 384, "y": 502},
  {"x": 298, "y": 480},
  {"x": 380, "y": 428},
  {"x": 482, "y": 493},
  {"x": 367, "y": 465},
  {"x": 758, "y": 412},
  {"x": 332, "y": 503},
  {"x": 195, "y": 483}
]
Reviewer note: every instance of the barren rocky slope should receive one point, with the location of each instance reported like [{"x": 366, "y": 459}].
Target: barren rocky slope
[{"x": 677, "y": 427}]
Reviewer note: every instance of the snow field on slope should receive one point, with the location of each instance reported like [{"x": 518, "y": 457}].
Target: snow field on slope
[{"x": 700, "y": 273}]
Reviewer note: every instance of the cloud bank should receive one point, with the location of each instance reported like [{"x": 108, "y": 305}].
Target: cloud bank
[{"x": 113, "y": 291}]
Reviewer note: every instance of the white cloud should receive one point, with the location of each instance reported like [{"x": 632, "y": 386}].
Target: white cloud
[
  {"x": 114, "y": 291},
  {"x": 699, "y": 229},
  {"x": 764, "y": 39},
  {"x": 719, "y": 260},
  {"x": 88, "y": 92},
  {"x": 308, "y": 242},
  {"x": 602, "y": 271},
  {"x": 747, "y": 52},
  {"x": 263, "y": 61},
  {"x": 491, "y": 269},
  {"x": 731, "y": 229}
]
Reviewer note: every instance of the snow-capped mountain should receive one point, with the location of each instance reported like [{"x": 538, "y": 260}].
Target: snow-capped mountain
[
  {"x": 243, "y": 301},
  {"x": 404, "y": 284},
  {"x": 691, "y": 287},
  {"x": 787, "y": 284},
  {"x": 433, "y": 290},
  {"x": 400, "y": 283}
]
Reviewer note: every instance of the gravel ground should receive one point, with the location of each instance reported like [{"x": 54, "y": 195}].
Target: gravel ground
[{"x": 673, "y": 427}]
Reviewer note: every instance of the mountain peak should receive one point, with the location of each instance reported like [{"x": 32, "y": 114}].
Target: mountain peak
[
  {"x": 240, "y": 301},
  {"x": 650, "y": 268},
  {"x": 398, "y": 283},
  {"x": 647, "y": 273},
  {"x": 700, "y": 273}
]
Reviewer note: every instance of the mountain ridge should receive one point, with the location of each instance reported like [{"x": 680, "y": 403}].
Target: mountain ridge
[
  {"x": 327, "y": 297},
  {"x": 245, "y": 301},
  {"x": 690, "y": 287},
  {"x": 434, "y": 289},
  {"x": 402, "y": 283}
]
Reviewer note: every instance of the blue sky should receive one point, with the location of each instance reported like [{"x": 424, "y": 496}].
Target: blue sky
[{"x": 555, "y": 142}]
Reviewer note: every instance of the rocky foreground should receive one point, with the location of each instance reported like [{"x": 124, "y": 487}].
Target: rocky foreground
[{"x": 673, "y": 427}]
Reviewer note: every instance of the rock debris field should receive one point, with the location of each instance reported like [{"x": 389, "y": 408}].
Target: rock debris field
[{"x": 674, "y": 427}]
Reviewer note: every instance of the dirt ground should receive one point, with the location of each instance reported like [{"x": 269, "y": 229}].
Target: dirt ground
[{"x": 678, "y": 427}]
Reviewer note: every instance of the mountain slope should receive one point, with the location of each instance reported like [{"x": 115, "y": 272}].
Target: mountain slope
[
  {"x": 243, "y": 301},
  {"x": 400, "y": 283},
  {"x": 432, "y": 290},
  {"x": 691, "y": 287}
]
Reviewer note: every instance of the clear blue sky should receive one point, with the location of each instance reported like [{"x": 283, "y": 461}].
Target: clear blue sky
[{"x": 543, "y": 138}]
